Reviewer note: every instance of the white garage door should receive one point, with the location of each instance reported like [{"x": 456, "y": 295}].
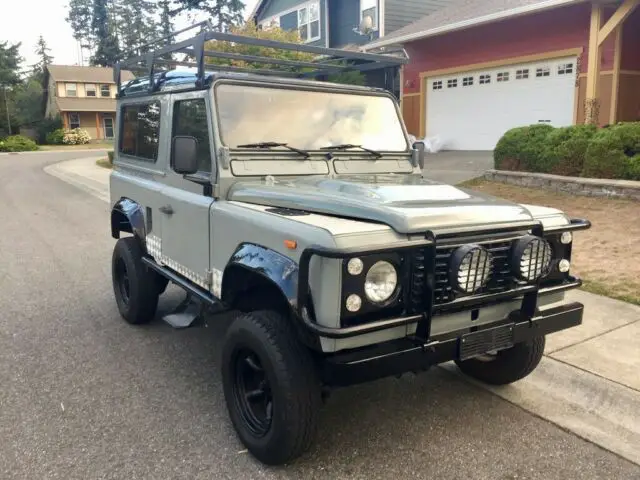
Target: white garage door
[{"x": 471, "y": 110}]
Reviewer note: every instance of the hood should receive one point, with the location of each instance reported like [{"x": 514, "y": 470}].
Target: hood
[{"x": 407, "y": 203}]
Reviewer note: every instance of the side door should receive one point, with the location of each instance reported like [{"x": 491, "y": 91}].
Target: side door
[{"x": 187, "y": 199}]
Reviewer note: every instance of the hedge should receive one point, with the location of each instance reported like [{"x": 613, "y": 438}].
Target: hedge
[
  {"x": 17, "y": 143},
  {"x": 579, "y": 150}
]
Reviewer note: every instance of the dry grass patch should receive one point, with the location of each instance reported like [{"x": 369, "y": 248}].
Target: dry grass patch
[{"x": 607, "y": 256}]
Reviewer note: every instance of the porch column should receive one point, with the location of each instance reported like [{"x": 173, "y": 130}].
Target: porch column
[
  {"x": 592, "y": 102},
  {"x": 65, "y": 120},
  {"x": 98, "y": 126}
]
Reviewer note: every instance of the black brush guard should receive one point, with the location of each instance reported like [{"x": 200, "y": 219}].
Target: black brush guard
[{"x": 422, "y": 350}]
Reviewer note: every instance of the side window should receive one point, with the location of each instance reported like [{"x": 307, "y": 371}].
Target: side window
[
  {"x": 140, "y": 130},
  {"x": 190, "y": 118}
]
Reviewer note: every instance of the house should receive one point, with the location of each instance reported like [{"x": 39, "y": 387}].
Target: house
[
  {"x": 484, "y": 66},
  {"x": 339, "y": 23},
  {"x": 84, "y": 97}
]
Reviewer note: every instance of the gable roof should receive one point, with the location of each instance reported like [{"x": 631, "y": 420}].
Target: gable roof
[
  {"x": 76, "y": 73},
  {"x": 463, "y": 15}
]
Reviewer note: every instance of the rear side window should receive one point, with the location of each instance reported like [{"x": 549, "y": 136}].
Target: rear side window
[
  {"x": 190, "y": 118},
  {"x": 140, "y": 130}
]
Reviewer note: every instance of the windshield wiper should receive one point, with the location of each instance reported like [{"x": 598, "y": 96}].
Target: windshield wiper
[
  {"x": 347, "y": 146},
  {"x": 273, "y": 145}
]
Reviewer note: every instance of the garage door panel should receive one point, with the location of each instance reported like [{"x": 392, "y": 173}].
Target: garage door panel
[{"x": 474, "y": 116}]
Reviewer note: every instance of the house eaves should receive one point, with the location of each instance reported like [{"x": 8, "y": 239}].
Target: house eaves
[{"x": 456, "y": 17}]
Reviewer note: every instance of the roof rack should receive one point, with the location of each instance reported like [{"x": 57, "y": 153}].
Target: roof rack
[{"x": 328, "y": 61}]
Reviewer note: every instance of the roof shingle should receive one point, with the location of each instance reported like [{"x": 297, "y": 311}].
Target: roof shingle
[
  {"x": 76, "y": 73},
  {"x": 464, "y": 14}
]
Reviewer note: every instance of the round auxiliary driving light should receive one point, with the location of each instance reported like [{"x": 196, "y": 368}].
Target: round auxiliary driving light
[
  {"x": 564, "y": 265},
  {"x": 531, "y": 258},
  {"x": 470, "y": 268},
  {"x": 355, "y": 266},
  {"x": 566, "y": 238},
  {"x": 354, "y": 302},
  {"x": 381, "y": 282}
]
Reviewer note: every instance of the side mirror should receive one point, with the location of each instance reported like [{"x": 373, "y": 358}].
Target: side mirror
[
  {"x": 185, "y": 154},
  {"x": 418, "y": 153}
]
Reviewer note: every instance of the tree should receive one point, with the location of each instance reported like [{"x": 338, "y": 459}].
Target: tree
[
  {"x": 10, "y": 60},
  {"x": 27, "y": 100},
  {"x": 140, "y": 26},
  {"x": 45, "y": 59},
  {"x": 166, "y": 25},
  {"x": 107, "y": 49},
  {"x": 225, "y": 14},
  {"x": 80, "y": 18}
]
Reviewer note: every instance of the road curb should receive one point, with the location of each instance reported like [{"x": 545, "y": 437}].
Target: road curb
[
  {"x": 90, "y": 186},
  {"x": 594, "y": 408}
]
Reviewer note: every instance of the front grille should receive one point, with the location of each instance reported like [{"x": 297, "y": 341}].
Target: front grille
[{"x": 501, "y": 278}]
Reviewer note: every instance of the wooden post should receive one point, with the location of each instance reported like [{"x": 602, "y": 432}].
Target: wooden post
[
  {"x": 615, "y": 80},
  {"x": 592, "y": 102},
  {"x": 65, "y": 120},
  {"x": 97, "y": 126}
]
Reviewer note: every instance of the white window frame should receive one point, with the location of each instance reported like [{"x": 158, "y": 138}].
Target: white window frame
[
  {"x": 88, "y": 87},
  {"x": 543, "y": 72},
  {"x": 367, "y": 5},
  {"x": 71, "y": 122},
  {"x": 522, "y": 74},
  {"x": 484, "y": 79},
  {"x": 307, "y": 9},
  {"x": 467, "y": 81},
  {"x": 105, "y": 85},
  {"x": 452, "y": 83},
  {"x": 565, "y": 69},
  {"x": 437, "y": 85},
  {"x": 503, "y": 76},
  {"x": 104, "y": 126},
  {"x": 75, "y": 89}
]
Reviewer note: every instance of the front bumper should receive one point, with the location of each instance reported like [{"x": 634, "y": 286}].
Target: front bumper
[{"x": 407, "y": 355}]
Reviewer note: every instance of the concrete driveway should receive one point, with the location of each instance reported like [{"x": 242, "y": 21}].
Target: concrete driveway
[
  {"x": 456, "y": 167},
  {"x": 85, "y": 396}
]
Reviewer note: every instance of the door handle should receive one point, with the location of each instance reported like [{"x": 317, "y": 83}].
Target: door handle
[{"x": 166, "y": 209}]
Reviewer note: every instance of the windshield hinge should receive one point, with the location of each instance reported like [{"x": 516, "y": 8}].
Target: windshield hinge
[
  {"x": 215, "y": 191},
  {"x": 224, "y": 157}
]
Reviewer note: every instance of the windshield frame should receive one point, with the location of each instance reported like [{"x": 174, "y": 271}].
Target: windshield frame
[{"x": 306, "y": 85}]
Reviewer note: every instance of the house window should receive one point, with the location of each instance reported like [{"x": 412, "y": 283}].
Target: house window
[
  {"x": 105, "y": 90},
  {"x": 309, "y": 22},
  {"x": 503, "y": 77},
  {"x": 543, "y": 72},
  {"x": 437, "y": 85},
  {"x": 90, "y": 90},
  {"x": 74, "y": 120},
  {"x": 453, "y": 83},
  {"x": 467, "y": 81},
  {"x": 565, "y": 68},
  {"x": 140, "y": 130},
  {"x": 71, "y": 89},
  {"x": 369, "y": 8},
  {"x": 522, "y": 74},
  {"x": 190, "y": 118},
  {"x": 108, "y": 127},
  {"x": 484, "y": 79}
]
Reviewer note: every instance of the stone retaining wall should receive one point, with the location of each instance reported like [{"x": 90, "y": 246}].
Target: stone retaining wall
[{"x": 590, "y": 187}]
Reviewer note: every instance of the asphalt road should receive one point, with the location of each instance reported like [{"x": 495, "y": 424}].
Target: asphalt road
[{"x": 85, "y": 396}]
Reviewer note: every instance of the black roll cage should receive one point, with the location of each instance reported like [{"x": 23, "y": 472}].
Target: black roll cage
[{"x": 329, "y": 61}]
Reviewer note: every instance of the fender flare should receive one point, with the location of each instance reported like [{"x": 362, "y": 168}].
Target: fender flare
[
  {"x": 269, "y": 264},
  {"x": 128, "y": 216}
]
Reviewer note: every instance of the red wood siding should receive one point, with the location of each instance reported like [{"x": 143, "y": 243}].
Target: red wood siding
[
  {"x": 557, "y": 29},
  {"x": 631, "y": 42}
]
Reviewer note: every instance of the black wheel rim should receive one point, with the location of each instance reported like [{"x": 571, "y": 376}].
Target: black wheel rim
[
  {"x": 122, "y": 280},
  {"x": 252, "y": 392}
]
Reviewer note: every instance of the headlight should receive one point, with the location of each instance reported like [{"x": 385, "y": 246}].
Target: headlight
[
  {"x": 531, "y": 258},
  {"x": 381, "y": 282},
  {"x": 470, "y": 268},
  {"x": 566, "y": 238}
]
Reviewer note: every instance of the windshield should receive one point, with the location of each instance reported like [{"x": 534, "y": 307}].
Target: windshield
[{"x": 307, "y": 119}]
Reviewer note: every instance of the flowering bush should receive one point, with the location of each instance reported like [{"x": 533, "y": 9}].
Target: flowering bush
[{"x": 77, "y": 136}]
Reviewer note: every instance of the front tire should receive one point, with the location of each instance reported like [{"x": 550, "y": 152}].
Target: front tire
[
  {"x": 134, "y": 285},
  {"x": 506, "y": 366},
  {"x": 271, "y": 387}
]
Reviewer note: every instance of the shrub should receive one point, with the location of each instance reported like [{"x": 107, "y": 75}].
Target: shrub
[
  {"x": 17, "y": 143},
  {"x": 56, "y": 137},
  {"x": 565, "y": 150},
  {"x": 614, "y": 152},
  {"x": 77, "y": 136},
  {"x": 47, "y": 125},
  {"x": 522, "y": 148},
  {"x": 110, "y": 155}
]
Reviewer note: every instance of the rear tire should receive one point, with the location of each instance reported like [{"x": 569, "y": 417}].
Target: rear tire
[
  {"x": 134, "y": 285},
  {"x": 506, "y": 366},
  {"x": 271, "y": 387}
]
